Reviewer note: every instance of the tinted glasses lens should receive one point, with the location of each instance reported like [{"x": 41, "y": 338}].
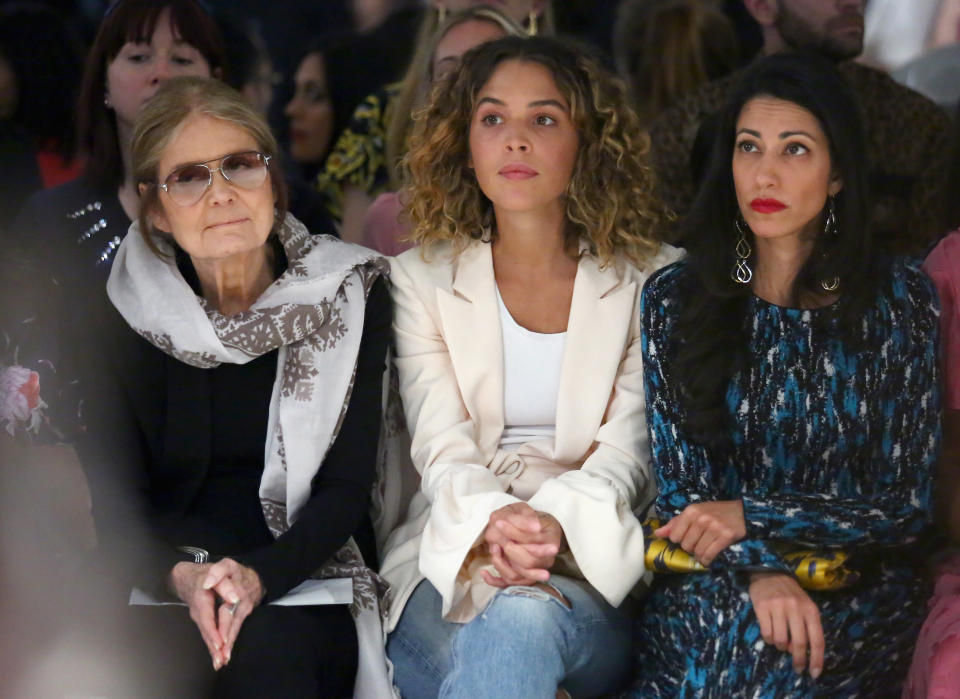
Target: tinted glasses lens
[
  {"x": 247, "y": 170},
  {"x": 187, "y": 184}
]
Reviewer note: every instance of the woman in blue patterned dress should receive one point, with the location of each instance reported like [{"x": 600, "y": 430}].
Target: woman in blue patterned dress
[{"x": 791, "y": 383}]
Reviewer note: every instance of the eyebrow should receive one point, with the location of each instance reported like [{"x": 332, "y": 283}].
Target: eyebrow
[
  {"x": 536, "y": 103},
  {"x": 204, "y": 162},
  {"x": 783, "y": 134}
]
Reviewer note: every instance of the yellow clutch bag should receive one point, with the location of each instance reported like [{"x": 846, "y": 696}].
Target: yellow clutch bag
[{"x": 814, "y": 570}]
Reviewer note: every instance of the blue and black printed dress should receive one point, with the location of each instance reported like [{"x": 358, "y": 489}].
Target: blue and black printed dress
[{"x": 833, "y": 449}]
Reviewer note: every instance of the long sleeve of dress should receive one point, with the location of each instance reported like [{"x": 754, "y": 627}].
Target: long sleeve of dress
[{"x": 886, "y": 499}]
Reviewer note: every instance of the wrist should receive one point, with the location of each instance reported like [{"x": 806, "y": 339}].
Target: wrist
[
  {"x": 176, "y": 576},
  {"x": 756, "y": 575}
]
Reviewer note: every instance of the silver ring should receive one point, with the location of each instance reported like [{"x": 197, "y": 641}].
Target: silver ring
[{"x": 233, "y": 607}]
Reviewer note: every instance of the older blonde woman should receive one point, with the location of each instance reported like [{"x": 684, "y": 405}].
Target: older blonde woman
[
  {"x": 235, "y": 423},
  {"x": 518, "y": 352}
]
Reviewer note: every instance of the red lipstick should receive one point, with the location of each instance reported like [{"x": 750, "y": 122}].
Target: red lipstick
[
  {"x": 767, "y": 206},
  {"x": 517, "y": 171}
]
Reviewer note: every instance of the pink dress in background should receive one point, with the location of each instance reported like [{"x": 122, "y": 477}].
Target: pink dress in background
[
  {"x": 935, "y": 672},
  {"x": 383, "y": 227}
]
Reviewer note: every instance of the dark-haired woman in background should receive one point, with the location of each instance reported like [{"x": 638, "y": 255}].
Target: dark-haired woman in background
[
  {"x": 791, "y": 382},
  {"x": 41, "y": 62},
  {"x": 666, "y": 48}
]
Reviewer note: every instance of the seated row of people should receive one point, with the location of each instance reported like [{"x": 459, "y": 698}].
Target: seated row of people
[{"x": 771, "y": 396}]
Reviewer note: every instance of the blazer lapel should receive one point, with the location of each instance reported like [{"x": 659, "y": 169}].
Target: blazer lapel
[
  {"x": 597, "y": 333},
  {"x": 471, "y": 327}
]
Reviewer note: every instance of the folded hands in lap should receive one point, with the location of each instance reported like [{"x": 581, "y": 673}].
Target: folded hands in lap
[
  {"x": 220, "y": 596},
  {"x": 523, "y": 545}
]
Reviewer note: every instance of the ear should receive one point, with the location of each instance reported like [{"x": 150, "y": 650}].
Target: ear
[
  {"x": 835, "y": 184},
  {"x": 764, "y": 12},
  {"x": 156, "y": 214}
]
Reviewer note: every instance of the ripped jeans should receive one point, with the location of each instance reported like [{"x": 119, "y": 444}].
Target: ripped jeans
[{"x": 526, "y": 643}]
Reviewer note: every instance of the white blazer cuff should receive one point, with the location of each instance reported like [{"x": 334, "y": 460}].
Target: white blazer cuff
[
  {"x": 606, "y": 540},
  {"x": 453, "y": 529}
]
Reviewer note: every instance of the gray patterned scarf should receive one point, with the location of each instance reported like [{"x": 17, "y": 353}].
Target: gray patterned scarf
[{"x": 313, "y": 313}]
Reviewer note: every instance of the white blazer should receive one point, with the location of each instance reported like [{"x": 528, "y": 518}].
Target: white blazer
[{"x": 591, "y": 476}]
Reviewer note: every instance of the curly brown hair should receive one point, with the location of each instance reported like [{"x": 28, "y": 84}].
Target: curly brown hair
[{"x": 610, "y": 200}]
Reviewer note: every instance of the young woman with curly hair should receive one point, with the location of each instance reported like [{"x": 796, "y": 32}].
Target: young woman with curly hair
[{"x": 518, "y": 353}]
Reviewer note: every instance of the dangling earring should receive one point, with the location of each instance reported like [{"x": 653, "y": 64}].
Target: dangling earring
[
  {"x": 441, "y": 13},
  {"x": 830, "y": 230},
  {"x": 830, "y": 227},
  {"x": 532, "y": 23},
  {"x": 741, "y": 272}
]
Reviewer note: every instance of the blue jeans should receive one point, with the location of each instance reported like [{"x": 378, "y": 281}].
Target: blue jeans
[{"x": 526, "y": 643}]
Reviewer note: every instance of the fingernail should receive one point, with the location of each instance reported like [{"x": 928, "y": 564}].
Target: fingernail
[
  {"x": 207, "y": 584},
  {"x": 216, "y": 663},
  {"x": 234, "y": 599},
  {"x": 815, "y": 673}
]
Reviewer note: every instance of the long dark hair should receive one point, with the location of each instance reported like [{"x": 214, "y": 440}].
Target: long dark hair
[
  {"x": 132, "y": 20},
  {"x": 709, "y": 340}
]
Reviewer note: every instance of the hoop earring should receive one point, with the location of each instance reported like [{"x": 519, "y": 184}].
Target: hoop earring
[
  {"x": 532, "y": 23},
  {"x": 741, "y": 272}
]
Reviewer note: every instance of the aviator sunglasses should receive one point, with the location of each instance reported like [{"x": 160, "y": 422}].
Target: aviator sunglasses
[{"x": 186, "y": 185}]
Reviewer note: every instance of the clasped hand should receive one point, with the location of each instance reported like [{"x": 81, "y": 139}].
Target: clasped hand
[
  {"x": 523, "y": 545},
  {"x": 704, "y": 529},
  {"x": 220, "y": 596}
]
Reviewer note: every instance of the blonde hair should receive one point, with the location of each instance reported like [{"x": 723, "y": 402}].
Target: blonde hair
[
  {"x": 663, "y": 49},
  {"x": 159, "y": 121},
  {"x": 609, "y": 200},
  {"x": 415, "y": 85}
]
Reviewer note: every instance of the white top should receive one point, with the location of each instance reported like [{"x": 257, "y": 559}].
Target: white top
[{"x": 531, "y": 381}]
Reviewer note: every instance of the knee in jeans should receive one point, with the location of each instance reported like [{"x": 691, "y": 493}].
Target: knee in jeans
[
  {"x": 525, "y": 607},
  {"x": 541, "y": 591}
]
